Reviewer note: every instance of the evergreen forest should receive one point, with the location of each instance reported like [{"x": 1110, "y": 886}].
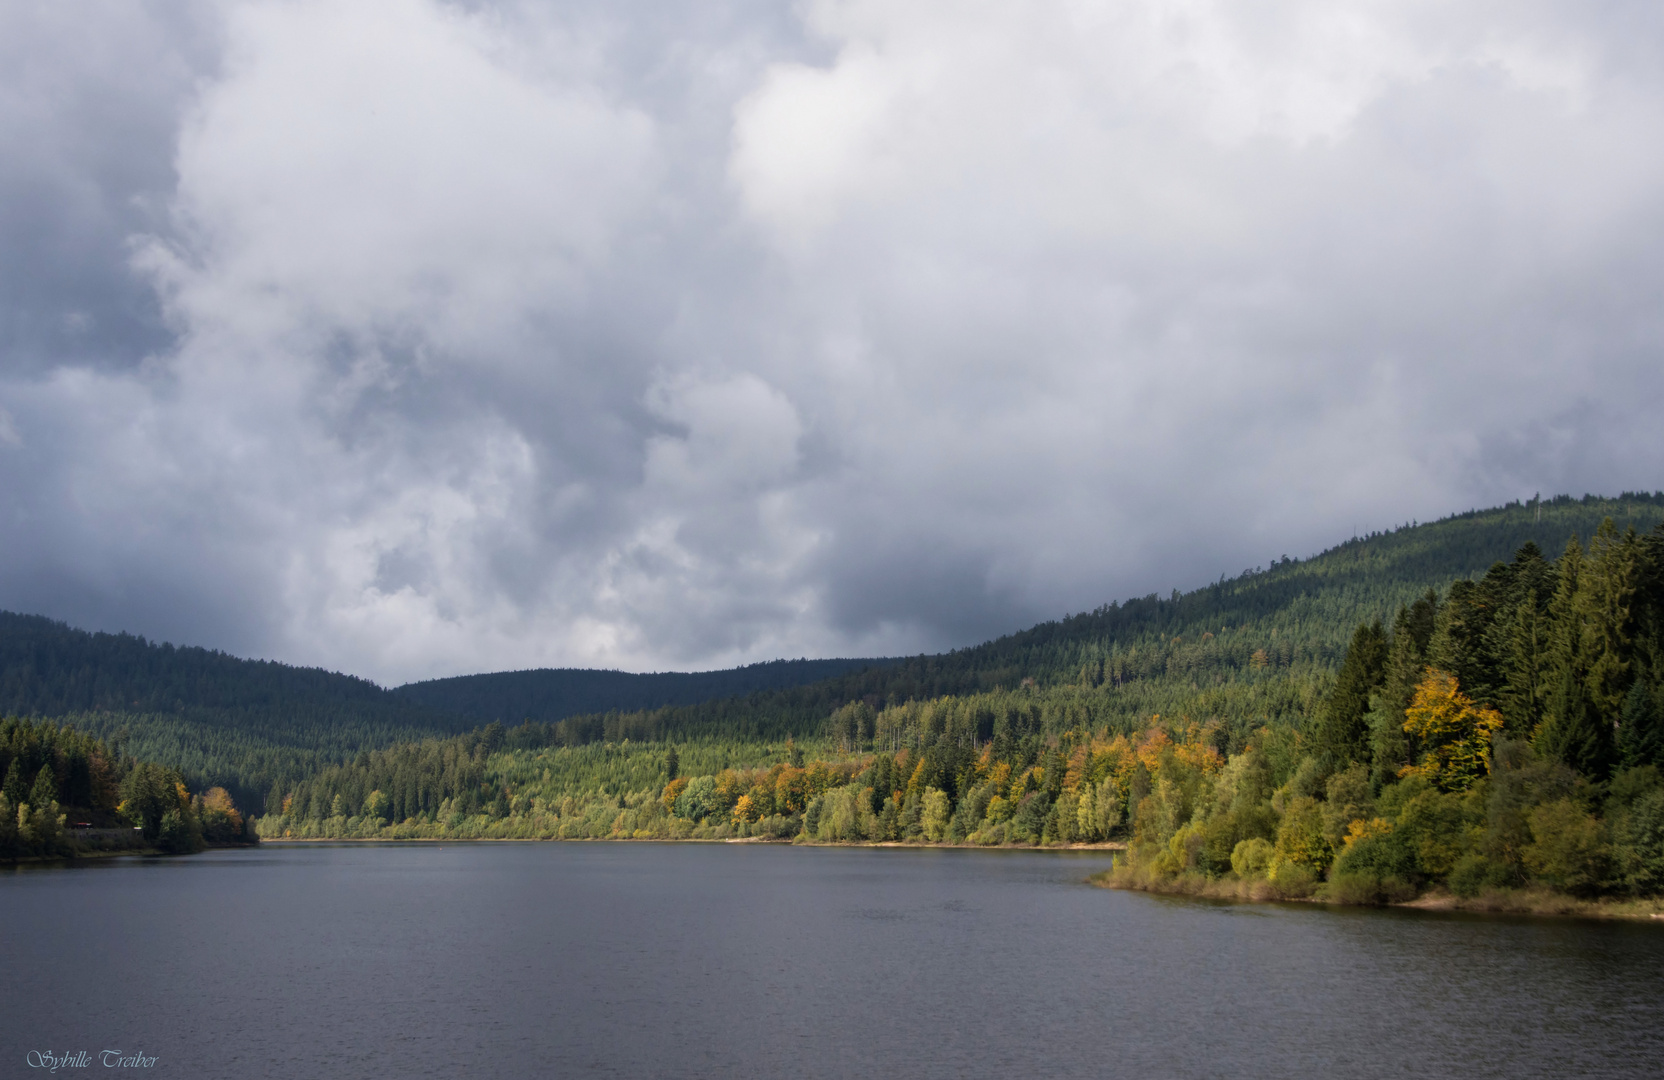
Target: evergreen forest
[{"x": 1473, "y": 706}]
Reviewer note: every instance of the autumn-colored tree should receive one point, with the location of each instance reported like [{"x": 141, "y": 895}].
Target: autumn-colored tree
[
  {"x": 222, "y": 824},
  {"x": 1454, "y": 735},
  {"x": 791, "y": 789}
]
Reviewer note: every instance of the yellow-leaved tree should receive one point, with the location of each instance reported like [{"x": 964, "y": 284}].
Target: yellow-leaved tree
[{"x": 1453, "y": 733}]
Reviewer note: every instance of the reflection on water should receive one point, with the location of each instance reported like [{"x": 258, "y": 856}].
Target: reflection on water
[{"x": 649, "y": 960}]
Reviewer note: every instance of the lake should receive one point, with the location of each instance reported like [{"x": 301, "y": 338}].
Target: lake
[{"x": 730, "y": 960}]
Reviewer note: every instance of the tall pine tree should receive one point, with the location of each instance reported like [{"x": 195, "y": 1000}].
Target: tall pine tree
[
  {"x": 1520, "y": 638},
  {"x": 1342, "y": 735},
  {"x": 1573, "y": 730},
  {"x": 1412, "y": 633},
  {"x": 1641, "y": 727}
]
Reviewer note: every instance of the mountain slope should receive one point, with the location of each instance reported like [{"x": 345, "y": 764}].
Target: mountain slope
[
  {"x": 251, "y": 725},
  {"x": 548, "y": 694},
  {"x": 1257, "y": 646},
  {"x": 1269, "y": 637}
]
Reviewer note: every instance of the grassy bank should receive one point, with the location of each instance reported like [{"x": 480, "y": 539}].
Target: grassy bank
[{"x": 1499, "y": 901}]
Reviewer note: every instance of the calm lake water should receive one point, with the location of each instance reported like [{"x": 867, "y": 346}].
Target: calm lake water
[{"x": 649, "y": 960}]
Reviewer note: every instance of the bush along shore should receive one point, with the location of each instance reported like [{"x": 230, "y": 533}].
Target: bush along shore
[
  {"x": 65, "y": 794},
  {"x": 1496, "y": 750}
]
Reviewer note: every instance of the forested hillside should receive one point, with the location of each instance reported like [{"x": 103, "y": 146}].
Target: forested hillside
[
  {"x": 252, "y": 725},
  {"x": 1501, "y": 739},
  {"x": 548, "y": 694},
  {"x": 1261, "y": 647},
  {"x": 218, "y": 719}
]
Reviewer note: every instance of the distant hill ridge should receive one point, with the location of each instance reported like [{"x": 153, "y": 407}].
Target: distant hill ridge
[
  {"x": 48, "y": 668},
  {"x": 547, "y": 694},
  {"x": 248, "y": 724}
]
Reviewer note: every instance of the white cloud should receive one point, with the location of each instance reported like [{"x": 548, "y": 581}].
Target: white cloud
[{"x": 510, "y": 335}]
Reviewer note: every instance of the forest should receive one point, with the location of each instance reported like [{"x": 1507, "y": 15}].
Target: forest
[
  {"x": 1253, "y": 648},
  {"x": 1506, "y": 732},
  {"x": 1441, "y": 706},
  {"x": 67, "y": 793},
  {"x": 250, "y": 725},
  {"x": 1509, "y": 734}
]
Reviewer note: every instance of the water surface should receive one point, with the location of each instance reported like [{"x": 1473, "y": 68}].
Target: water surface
[{"x": 661, "y": 960}]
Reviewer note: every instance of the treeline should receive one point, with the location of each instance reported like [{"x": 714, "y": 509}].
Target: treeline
[
  {"x": 1508, "y": 736},
  {"x": 251, "y": 726},
  {"x": 66, "y": 792},
  {"x": 497, "y": 783},
  {"x": 485, "y": 772},
  {"x": 989, "y": 770},
  {"x": 216, "y": 719},
  {"x": 1262, "y": 647}
]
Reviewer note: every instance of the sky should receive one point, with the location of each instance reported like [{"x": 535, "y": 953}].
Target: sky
[{"x": 411, "y": 339}]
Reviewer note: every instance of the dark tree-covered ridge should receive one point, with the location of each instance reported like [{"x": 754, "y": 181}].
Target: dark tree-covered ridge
[
  {"x": 546, "y": 694},
  {"x": 1265, "y": 645}
]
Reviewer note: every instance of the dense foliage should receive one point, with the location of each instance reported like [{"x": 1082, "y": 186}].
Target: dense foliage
[
  {"x": 66, "y": 792},
  {"x": 1507, "y": 733},
  {"x": 1196, "y": 727}
]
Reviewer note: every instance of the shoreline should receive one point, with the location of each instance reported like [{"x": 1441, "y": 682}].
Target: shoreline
[
  {"x": 1112, "y": 845},
  {"x": 1532, "y": 902}
]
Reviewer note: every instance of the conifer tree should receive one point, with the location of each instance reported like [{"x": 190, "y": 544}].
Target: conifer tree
[
  {"x": 1460, "y": 631},
  {"x": 1572, "y": 730},
  {"x": 1520, "y": 639},
  {"x": 1412, "y": 632},
  {"x": 15, "y": 790},
  {"x": 1605, "y": 598},
  {"x": 45, "y": 791},
  {"x": 1641, "y": 727},
  {"x": 1343, "y": 733}
]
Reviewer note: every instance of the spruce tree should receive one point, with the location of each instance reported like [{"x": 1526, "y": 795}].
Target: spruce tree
[
  {"x": 1605, "y": 599},
  {"x": 1342, "y": 735},
  {"x": 1641, "y": 728},
  {"x": 1461, "y": 633},
  {"x": 1412, "y": 632},
  {"x": 1520, "y": 638},
  {"x": 15, "y": 790},
  {"x": 45, "y": 791},
  {"x": 1572, "y": 731}
]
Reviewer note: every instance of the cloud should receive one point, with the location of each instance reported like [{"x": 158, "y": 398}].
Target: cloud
[{"x": 414, "y": 339}]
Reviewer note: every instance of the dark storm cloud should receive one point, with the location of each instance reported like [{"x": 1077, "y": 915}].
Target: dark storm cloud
[
  {"x": 415, "y": 338},
  {"x": 91, "y": 97}
]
